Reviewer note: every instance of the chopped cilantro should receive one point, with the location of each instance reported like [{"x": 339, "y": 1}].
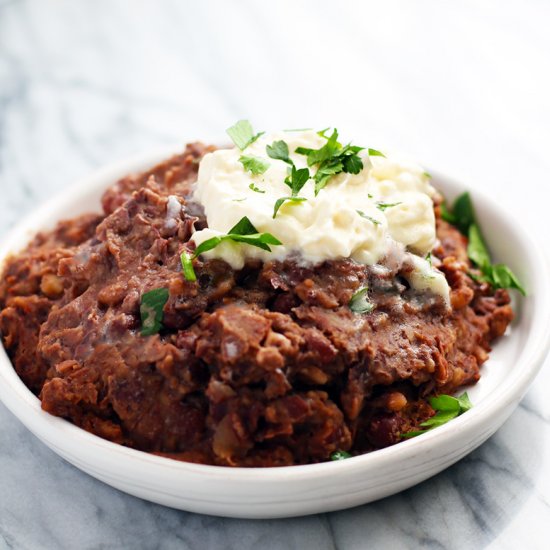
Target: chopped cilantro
[
  {"x": 243, "y": 232},
  {"x": 371, "y": 219},
  {"x": 297, "y": 179},
  {"x": 359, "y": 302},
  {"x": 463, "y": 217},
  {"x": 428, "y": 258},
  {"x": 282, "y": 200},
  {"x": 255, "y": 189},
  {"x": 242, "y": 134},
  {"x": 339, "y": 455},
  {"x": 375, "y": 153},
  {"x": 447, "y": 407},
  {"x": 151, "y": 310},
  {"x": 278, "y": 150},
  {"x": 332, "y": 159},
  {"x": 385, "y": 205},
  {"x": 255, "y": 165}
]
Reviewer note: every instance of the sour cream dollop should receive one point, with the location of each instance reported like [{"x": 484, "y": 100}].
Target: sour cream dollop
[{"x": 349, "y": 217}]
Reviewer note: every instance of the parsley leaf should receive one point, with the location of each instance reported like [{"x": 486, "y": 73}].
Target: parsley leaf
[
  {"x": 242, "y": 134},
  {"x": 446, "y": 214},
  {"x": 447, "y": 407},
  {"x": 371, "y": 219},
  {"x": 359, "y": 302},
  {"x": 375, "y": 153},
  {"x": 463, "y": 213},
  {"x": 151, "y": 310},
  {"x": 477, "y": 250},
  {"x": 278, "y": 150},
  {"x": 255, "y": 189},
  {"x": 463, "y": 217},
  {"x": 385, "y": 205},
  {"x": 255, "y": 165},
  {"x": 297, "y": 179},
  {"x": 332, "y": 159},
  {"x": 339, "y": 455},
  {"x": 187, "y": 266},
  {"x": 243, "y": 232},
  {"x": 282, "y": 200},
  {"x": 353, "y": 164}
]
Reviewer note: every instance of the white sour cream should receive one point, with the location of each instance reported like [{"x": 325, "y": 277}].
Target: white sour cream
[{"x": 327, "y": 226}]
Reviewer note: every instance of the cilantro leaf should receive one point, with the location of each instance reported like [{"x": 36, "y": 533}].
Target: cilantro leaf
[
  {"x": 375, "y": 153},
  {"x": 447, "y": 407},
  {"x": 255, "y": 189},
  {"x": 463, "y": 212},
  {"x": 464, "y": 402},
  {"x": 477, "y": 250},
  {"x": 339, "y": 455},
  {"x": 463, "y": 217},
  {"x": 371, "y": 219},
  {"x": 359, "y": 302},
  {"x": 187, "y": 266},
  {"x": 447, "y": 214},
  {"x": 297, "y": 179},
  {"x": 243, "y": 227},
  {"x": 242, "y": 134},
  {"x": 151, "y": 310},
  {"x": 243, "y": 232},
  {"x": 255, "y": 165},
  {"x": 353, "y": 164},
  {"x": 282, "y": 200},
  {"x": 278, "y": 150},
  {"x": 331, "y": 159}
]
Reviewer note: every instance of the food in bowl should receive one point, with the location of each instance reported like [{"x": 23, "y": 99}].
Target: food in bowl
[{"x": 286, "y": 301}]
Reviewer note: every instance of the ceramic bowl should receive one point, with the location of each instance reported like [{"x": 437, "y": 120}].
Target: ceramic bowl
[{"x": 298, "y": 490}]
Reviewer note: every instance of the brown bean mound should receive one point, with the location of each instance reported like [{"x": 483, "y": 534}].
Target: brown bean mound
[{"x": 266, "y": 366}]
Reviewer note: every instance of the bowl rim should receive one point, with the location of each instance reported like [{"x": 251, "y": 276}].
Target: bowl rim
[{"x": 26, "y": 406}]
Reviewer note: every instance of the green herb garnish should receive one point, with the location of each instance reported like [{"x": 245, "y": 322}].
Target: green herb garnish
[
  {"x": 242, "y": 134},
  {"x": 242, "y": 232},
  {"x": 359, "y": 302},
  {"x": 371, "y": 219},
  {"x": 187, "y": 266},
  {"x": 385, "y": 205},
  {"x": 255, "y": 165},
  {"x": 151, "y": 310},
  {"x": 297, "y": 179},
  {"x": 255, "y": 189},
  {"x": 463, "y": 217},
  {"x": 447, "y": 407},
  {"x": 339, "y": 455},
  {"x": 282, "y": 200},
  {"x": 375, "y": 153},
  {"x": 332, "y": 159},
  {"x": 462, "y": 214},
  {"x": 278, "y": 150},
  {"x": 428, "y": 258}
]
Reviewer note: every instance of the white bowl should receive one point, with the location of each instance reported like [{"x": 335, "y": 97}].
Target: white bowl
[{"x": 299, "y": 490}]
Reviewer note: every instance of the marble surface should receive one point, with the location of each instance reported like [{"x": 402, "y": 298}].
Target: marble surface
[{"x": 461, "y": 86}]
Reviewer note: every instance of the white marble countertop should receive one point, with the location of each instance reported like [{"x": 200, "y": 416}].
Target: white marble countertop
[{"x": 461, "y": 86}]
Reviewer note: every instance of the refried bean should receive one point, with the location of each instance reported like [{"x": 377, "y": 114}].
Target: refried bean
[{"x": 265, "y": 366}]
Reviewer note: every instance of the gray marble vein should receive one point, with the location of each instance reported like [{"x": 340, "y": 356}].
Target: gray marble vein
[{"x": 463, "y": 86}]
